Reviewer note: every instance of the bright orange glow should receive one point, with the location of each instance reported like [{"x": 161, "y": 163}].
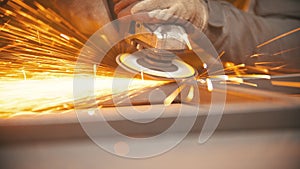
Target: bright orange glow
[{"x": 44, "y": 96}]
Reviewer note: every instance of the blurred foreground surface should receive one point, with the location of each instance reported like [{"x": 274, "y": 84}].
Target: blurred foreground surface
[{"x": 244, "y": 149}]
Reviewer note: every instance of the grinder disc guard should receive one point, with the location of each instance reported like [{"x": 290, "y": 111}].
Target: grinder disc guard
[{"x": 134, "y": 63}]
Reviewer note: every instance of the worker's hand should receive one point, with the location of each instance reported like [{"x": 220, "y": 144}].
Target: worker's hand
[
  {"x": 194, "y": 11},
  {"x": 123, "y": 7}
]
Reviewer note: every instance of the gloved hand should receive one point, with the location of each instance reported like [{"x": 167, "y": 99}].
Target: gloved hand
[
  {"x": 123, "y": 7},
  {"x": 194, "y": 11}
]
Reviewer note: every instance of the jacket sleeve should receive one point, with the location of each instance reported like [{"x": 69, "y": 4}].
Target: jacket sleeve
[{"x": 240, "y": 34}]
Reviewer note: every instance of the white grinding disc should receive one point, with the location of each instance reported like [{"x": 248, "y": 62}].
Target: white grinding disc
[{"x": 129, "y": 62}]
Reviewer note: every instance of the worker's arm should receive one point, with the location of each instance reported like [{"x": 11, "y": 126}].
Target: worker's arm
[
  {"x": 239, "y": 34},
  {"x": 231, "y": 30}
]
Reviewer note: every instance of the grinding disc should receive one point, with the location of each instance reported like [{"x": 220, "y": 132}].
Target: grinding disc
[{"x": 129, "y": 62}]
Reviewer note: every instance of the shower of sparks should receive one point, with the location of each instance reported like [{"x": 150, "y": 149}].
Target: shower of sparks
[
  {"x": 53, "y": 94},
  {"x": 39, "y": 50},
  {"x": 237, "y": 75}
]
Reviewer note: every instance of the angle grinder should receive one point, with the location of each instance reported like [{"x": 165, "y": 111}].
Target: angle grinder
[{"x": 157, "y": 48}]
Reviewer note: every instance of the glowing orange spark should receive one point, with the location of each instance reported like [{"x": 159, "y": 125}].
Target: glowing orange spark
[
  {"x": 142, "y": 74},
  {"x": 205, "y": 66},
  {"x": 259, "y": 69},
  {"x": 279, "y": 37},
  {"x": 210, "y": 87},
  {"x": 257, "y": 55},
  {"x": 286, "y": 83},
  {"x": 190, "y": 95},
  {"x": 65, "y": 36},
  {"x": 285, "y": 51},
  {"x": 221, "y": 54},
  {"x": 168, "y": 101},
  {"x": 278, "y": 67},
  {"x": 230, "y": 67},
  {"x": 250, "y": 84}
]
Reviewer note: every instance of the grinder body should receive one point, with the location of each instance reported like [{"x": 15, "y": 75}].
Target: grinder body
[{"x": 157, "y": 48}]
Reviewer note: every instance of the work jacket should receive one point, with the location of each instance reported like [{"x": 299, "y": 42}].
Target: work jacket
[{"x": 249, "y": 37}]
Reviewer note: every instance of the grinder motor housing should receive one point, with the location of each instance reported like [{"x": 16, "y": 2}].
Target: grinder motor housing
[{"x": 157, "y": 46}]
